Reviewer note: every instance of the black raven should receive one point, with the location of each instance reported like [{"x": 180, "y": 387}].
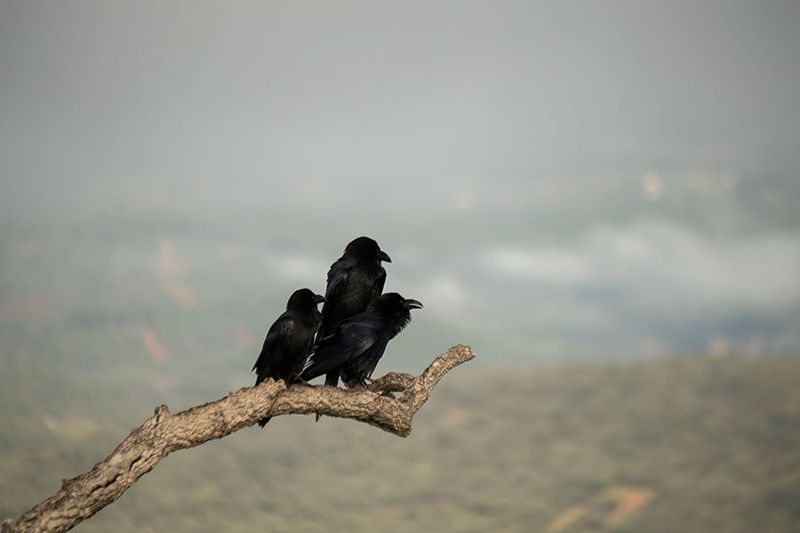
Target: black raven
[
  {"x": 354, "y": 280},
  {"x": 357, "y": 343},
  {"x": 289, "y": 340}
]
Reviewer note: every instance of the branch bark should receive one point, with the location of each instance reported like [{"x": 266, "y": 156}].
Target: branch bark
[{"x": 389, "y": 403}]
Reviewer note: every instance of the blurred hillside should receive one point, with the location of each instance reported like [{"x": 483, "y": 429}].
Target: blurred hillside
[{"x": 696, "y": 444}]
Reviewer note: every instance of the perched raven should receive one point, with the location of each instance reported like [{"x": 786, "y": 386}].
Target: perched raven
[
  {"x": 289, "y": 340},
  {"x": 354, "y": 280},
  {"x": 357, "y": 344}
]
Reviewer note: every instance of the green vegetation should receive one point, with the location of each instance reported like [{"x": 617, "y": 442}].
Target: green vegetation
[
  {"x": 693, "y": 444},
  {"x": 95, "y": 331}
]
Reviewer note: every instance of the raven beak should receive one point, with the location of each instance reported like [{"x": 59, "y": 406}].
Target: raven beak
[
  {"x": 412, "y": 304},
  {"x": 318, "y": 299},
  {"x": 383, "y": 256}
]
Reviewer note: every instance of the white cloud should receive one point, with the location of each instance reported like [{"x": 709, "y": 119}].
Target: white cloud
[
  {"x": 672, "y": 264},
  {"x": 655, "y": 280},
  {"x": 664, "y": 262}
]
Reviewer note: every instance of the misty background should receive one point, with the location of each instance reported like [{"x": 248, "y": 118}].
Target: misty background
[
  {"x": 556, "y": 182},
  {"x": 615, "y": 179}
]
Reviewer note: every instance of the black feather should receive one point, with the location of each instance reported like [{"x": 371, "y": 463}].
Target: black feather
[
  {"x": 289, "y": 341},
  {"x": 358, "y": 343},
  {"x": 354, "y": 280}
]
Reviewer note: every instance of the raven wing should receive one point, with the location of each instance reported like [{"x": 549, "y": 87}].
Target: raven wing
[
  {"x": 278, "y": 339},
  {"x": 351, "y": 339},
  {"x": 337, "y": 278},
  {"x": 335, "y": 294}
]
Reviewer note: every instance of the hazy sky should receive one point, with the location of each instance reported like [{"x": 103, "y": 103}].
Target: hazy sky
[{"x": 614, "y": 172}]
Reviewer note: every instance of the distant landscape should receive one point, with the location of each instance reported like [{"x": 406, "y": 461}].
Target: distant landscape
[
  {"x": 692, "y": 444},
  {"x": 97, "y": 331},
  {"x": 600, "y": 199}
]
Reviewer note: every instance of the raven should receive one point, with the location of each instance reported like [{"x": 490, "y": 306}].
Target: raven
[
  {"x": 289, "y": 340},
  {"x": 357, "y": 343},
  {"x": 354, "y": 280}
]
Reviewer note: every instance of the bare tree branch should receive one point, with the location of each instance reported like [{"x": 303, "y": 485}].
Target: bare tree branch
[{"x": 84, "y": 495}]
